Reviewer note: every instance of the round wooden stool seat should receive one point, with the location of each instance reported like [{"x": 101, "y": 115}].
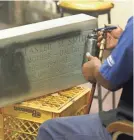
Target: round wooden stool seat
[{"x": 86, "y": 5}]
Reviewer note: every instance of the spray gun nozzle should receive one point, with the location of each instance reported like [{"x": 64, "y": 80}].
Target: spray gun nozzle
[{"x": 106, "y": 28}]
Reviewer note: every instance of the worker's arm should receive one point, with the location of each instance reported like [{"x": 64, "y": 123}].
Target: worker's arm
[{"x": 118, "y": 67}]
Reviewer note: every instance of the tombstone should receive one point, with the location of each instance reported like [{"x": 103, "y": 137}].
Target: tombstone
[{"x": 42, "y": 58}]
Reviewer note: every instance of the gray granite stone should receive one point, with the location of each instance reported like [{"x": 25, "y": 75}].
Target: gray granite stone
[{"x": 42, "y": 58}]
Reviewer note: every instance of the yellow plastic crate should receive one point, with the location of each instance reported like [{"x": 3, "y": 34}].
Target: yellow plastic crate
[{"x": 21, "y": 121}]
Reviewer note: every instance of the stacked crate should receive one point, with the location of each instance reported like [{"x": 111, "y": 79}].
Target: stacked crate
[{"x": 21, "y": 121}]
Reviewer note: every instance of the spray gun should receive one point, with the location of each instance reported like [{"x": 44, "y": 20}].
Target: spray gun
[
  {"x": 92, "y": 41},
  {"x": 94, "y": 50}
]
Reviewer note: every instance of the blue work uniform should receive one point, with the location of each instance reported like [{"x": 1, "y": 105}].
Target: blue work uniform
[{"x": 118, "y": 70}]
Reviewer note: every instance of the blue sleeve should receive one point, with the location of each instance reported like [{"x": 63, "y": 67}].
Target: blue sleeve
[{"x": 118, "y": 67}]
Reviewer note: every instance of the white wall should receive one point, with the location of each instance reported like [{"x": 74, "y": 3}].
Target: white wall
[{"x": 122, "y": 10}]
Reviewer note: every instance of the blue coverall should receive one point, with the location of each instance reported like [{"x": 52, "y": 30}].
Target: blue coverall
[{"x": 117, "y": 69}]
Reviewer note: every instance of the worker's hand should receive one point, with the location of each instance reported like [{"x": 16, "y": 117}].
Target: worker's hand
[
  {"x": 91, "y": 68},
  {"x": 112, "y": 38}
]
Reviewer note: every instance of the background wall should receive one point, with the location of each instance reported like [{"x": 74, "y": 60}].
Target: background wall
[{"x": 122, "y": 10}]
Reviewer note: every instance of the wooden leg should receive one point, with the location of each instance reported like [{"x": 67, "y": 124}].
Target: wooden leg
[
  {"x": 109, "y": 17},
  {"x": 113, "y": 100},
  {"x": 57, "y": 7},
  {"x": 99, "y": 97},
  {"x": 62, "y": 12}
]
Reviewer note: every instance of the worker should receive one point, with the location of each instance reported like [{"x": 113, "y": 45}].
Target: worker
[{"x": 116, "y": 72}]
